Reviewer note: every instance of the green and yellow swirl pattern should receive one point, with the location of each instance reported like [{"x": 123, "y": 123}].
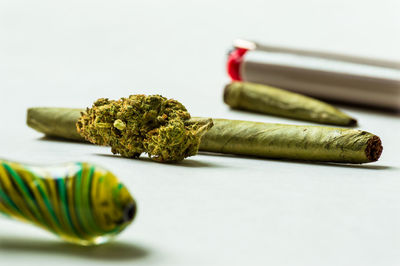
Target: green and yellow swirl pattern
[{"x": 80, "y": 202}]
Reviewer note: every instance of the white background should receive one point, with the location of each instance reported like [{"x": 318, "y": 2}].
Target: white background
[{"x": 209, "y": 209}]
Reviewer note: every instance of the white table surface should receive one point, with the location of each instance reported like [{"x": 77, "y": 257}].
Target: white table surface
[{"x": 209, "y": 209}]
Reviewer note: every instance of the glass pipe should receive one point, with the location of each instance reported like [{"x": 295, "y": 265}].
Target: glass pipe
[{"x": 80, "y": 202}]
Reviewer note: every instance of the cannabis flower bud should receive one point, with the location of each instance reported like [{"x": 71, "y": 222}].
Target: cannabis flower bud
[{"x": 152, "y": 124}]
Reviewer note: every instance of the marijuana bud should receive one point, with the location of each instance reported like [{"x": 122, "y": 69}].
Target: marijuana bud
[{"x": 152, "y": 124}]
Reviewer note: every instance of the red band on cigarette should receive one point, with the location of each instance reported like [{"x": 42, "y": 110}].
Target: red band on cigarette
[{"x": 235, "y": 58}]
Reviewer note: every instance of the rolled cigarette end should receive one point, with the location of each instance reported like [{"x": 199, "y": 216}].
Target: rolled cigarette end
[
  {"x": 374, "y": 148},
  {"x": 55, "y": 122},
  {"x": 270, "y": 100},
  {"x": 313, "y": 143}
]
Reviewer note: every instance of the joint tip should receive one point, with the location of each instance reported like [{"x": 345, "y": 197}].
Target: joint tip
[
  {"x": 374, "y": 149},
  {"x": 353, "y": 122}
]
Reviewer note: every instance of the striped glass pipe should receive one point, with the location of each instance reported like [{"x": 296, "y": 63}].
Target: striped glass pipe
[{"x": 80, "y": 202}]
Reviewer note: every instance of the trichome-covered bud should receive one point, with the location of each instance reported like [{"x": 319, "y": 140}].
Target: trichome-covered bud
[{"x": 153, "y": 124}]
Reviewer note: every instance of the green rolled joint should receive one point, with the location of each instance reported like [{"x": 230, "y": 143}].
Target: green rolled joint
[
  {"x": 270, "y": 100},
  {"x": 55, "y": 122},
  {"x": 313, "y": 143}
]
